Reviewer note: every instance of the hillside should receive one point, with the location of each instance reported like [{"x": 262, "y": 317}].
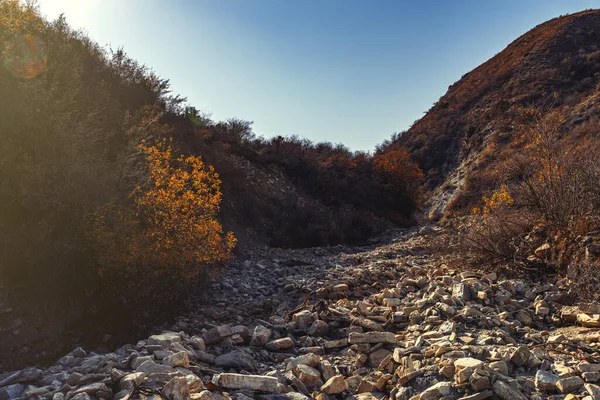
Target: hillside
[{"x": 555, "y": 67}]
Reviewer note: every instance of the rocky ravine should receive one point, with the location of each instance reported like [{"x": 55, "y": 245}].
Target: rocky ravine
[{"x": 389, "y": 322}]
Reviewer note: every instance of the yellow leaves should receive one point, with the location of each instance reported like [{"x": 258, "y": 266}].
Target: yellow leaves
[
  {"x": 499, "y": 198},
  {"x": 172, "y": 225}
]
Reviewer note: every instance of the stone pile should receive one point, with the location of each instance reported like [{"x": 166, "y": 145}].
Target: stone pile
[{"x": 389, "y": 323}]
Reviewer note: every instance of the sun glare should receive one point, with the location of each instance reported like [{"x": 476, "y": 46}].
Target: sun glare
[{"x": 25, "y": 56}]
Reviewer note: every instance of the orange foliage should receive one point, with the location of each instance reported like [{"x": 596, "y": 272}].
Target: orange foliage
[
  {"x": 398, "y": 166},
  {"x": 172, "y": 231},
  {"x": 540, "y": 142}
]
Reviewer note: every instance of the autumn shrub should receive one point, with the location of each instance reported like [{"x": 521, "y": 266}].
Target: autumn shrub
[
  {"x": 16, "y": 18},
  {"x": 169, "y": 237},
  {"x": 562, "y": 182}
]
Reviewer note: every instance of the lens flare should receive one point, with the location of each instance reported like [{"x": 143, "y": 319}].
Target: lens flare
[{"x": 25, "y": 56}]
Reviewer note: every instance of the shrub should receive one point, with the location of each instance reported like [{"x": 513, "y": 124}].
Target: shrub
[
  {"x": 552, "y": 188},
  {"x": 396, "y": 168},
  {"x": 169, "y": 236},
  {"x": 400, "y": 177},
  {"x": 561, "y": 181},
  {"x": 499, "y": 229},
  {"x": 16, "y": 18}
]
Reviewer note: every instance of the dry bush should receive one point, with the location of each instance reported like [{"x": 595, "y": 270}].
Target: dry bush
[
  {"x": 560, "y": 180},
  {"x": 552, "y": 197},
  {"x": 585, "y": 281},
  {"x": 396, "y": 168},
  {"x": 499, "y": 228}
]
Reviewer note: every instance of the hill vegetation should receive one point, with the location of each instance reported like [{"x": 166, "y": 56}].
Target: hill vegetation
[{"x": 545, "y": 217}]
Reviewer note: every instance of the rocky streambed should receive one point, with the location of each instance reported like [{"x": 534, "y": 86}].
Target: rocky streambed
[{"x": 393, "y": 321}]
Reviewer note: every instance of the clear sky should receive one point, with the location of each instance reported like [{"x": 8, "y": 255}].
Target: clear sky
[{"x": 350, "y": 71}]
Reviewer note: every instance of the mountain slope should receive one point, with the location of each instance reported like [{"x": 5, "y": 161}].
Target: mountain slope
[{"x": 553, "y": 67}]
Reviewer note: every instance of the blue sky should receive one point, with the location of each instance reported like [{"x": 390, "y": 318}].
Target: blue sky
[{"x": 350, "y": 71}]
